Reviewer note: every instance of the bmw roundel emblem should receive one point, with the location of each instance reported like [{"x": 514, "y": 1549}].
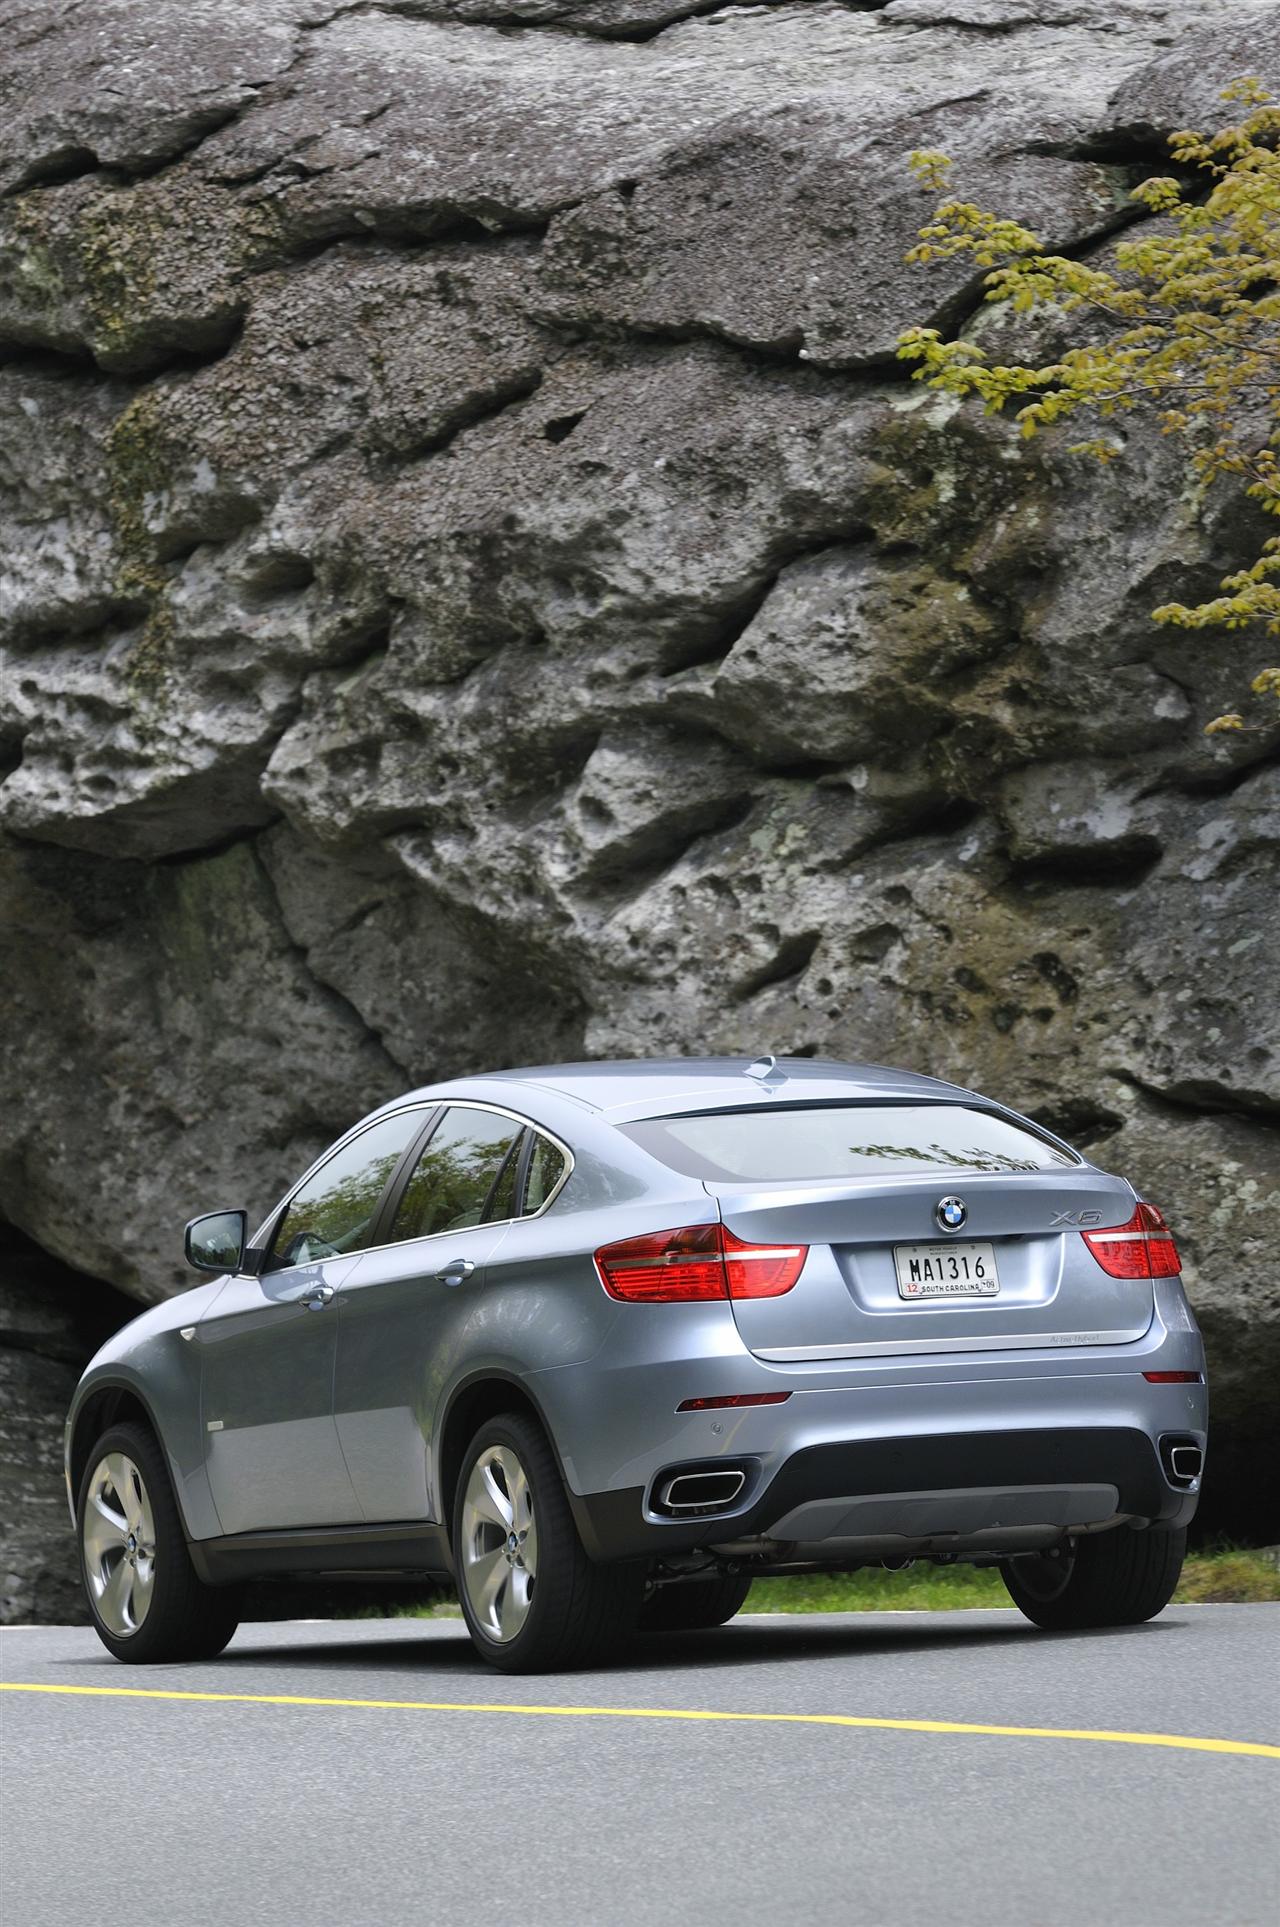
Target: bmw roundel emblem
[{"x": 951, "y": 1213}]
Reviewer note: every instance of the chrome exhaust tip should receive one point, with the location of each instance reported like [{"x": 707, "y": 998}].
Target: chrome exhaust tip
[
  {"x": 699, "y": 1491},
  {"x": 1182, "y": 1460}
]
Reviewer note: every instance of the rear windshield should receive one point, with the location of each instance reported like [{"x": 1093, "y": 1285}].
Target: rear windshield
[{"x": 843, "y": 1141}]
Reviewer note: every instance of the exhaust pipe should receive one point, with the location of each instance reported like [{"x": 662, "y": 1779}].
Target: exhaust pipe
[
  {"x": 700, "y": 1491},
  {"x": 1182, "y": 1459}
]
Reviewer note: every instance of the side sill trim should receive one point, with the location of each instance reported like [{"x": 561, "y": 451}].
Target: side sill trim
[
  {"x": 334, "y": 1551},
  {"x": 995, "y": 1342}
]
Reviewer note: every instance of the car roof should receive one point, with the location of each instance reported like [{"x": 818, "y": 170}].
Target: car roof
[{"x": 647, "y": 1087}]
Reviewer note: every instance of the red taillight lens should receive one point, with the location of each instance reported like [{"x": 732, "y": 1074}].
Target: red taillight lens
[
  {"x": 732, "y": 1402},
  {"x": 760, "y": 1271},
  {"x": 698, "y": 1261},
  {"x": 1172, "y": 1378},
  {"x": 1141, "y": 1248},
  {"x": 665, "y": 1267},
  {"x": 1163, "y": 1252}
]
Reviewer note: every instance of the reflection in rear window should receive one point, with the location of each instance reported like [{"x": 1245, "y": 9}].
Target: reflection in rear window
[{"x": 843, "y": 1141}]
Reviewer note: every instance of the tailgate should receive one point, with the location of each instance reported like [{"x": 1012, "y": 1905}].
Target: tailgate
[{"x": 884, "y": 1277}]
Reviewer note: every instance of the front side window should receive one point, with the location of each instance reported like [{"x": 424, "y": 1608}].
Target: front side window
[
  {"x": 465, "y": 1161},
  {"x": 844, "y": 1141},
  {"x": 333, "y": 1212}
]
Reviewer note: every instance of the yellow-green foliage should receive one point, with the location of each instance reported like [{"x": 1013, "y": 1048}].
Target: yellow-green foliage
[{"x": 1189, "y": 328}]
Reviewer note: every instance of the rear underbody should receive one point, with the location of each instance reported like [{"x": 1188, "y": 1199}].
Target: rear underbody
[{"x": 972, "y": 1496}]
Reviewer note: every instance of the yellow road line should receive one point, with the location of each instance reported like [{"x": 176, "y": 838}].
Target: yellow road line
[{"x": 1186, "y": 1742}]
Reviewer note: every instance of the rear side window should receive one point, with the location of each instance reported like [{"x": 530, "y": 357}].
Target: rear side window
[
  {"x": 843, "y": 1141},
  {"x": 502, "y": 1199},
  {"x": 546, "y": 1168},
  {"x": 464, "y": 1161}
]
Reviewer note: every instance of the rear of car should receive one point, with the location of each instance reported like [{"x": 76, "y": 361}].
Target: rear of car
[
  {"x": 605, "y": 1341},
  {"x": 955, "y": 1339}
]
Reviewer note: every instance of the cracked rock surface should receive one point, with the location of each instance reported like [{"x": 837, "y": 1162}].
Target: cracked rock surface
[{"x": 478, "y": 589}]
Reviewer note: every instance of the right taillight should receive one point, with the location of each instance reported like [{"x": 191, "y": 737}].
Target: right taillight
[
  {"x": 697, "y": 1261},
  {"x": 1142, "y": 1248},
  {"x": 1162, "y": 1251}
]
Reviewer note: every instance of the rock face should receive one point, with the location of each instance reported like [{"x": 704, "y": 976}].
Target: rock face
[
  {"x": 51, "y": 1322},
  {"x": 479, "y": 589}
]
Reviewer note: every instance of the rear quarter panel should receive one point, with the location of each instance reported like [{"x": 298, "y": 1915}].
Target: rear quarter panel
[{"x": 543, "y": 1314}]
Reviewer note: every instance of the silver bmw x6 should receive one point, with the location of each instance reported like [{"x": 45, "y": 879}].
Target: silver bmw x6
[{"x": 600, "y": 1342}]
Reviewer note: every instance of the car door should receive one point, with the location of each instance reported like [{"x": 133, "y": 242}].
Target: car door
[
  {"x": 406, "y": 1309},
  {"x": 268, "y": 1345}
]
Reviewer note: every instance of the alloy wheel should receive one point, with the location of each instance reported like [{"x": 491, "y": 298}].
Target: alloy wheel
[
  {"x": 499, "y": 1543},
  {"x": 119, "y": 1542}
]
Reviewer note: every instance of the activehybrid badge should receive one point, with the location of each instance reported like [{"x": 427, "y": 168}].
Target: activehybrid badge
[{"x": 951, "y": 1213}]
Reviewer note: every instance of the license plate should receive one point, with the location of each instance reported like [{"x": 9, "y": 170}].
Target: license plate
[{"x": 946, "y": 1271}]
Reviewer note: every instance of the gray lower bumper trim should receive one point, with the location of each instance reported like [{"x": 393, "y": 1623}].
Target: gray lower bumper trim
[{"x": 971, "y": 1509}]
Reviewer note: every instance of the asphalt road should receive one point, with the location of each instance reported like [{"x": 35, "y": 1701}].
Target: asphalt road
[{"x": 172, "y": 1810}]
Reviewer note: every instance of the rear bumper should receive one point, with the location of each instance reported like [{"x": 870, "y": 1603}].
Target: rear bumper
[{"x": 966, "y": 1486}]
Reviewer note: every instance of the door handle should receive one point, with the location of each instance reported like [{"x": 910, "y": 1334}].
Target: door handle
[
  {"x": 455, "y": 1271},
  {"x": 317, "y": 1298}
]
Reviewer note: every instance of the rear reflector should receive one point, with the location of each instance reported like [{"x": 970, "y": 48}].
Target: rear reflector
[
  {"x": 1172, "y": 1378},
  {"x": 694, "y": 1262},
  {"x": 736, "y": 1399},
  {"x": 1142, "y": 1248}
]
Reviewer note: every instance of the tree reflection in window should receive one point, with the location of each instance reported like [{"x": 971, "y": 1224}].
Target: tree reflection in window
[
  {"x": 455, "y": 1174},
  {"x": 975, "y": 1160},
  {"x": 334, "y": 1210},
  {"x": 546, "y": 1167},
  {"x": 802, "y": 1141}
]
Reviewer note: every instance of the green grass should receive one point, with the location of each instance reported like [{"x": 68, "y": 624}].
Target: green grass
[
  {"x": 922, "y": 1589},
  {"x": 1229, "y": 1574}
]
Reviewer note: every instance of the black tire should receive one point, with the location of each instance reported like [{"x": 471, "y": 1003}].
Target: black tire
[
  {"x": 577, "y": 1611},
  {"x": 185, "y": 1619},
  {"x": 694, "y": 1605},
  {"x": 1116, "y": 1578}
]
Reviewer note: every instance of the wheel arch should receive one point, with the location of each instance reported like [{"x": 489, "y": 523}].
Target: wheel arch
[
  {"x": 113, "y": 1402},
  {"x": 480, "y": 1397}
]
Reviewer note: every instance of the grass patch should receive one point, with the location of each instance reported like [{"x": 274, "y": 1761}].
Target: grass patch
[
  {"x": 923, "y": 1589},
  {"x": 1230, "y": 1576},
  {"x": 1227, "y": 1575}
]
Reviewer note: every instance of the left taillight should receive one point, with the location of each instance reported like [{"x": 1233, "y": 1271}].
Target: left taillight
[
  {"x": 696, "y": 1262},
  {"x": 1141, "y": 1248}
]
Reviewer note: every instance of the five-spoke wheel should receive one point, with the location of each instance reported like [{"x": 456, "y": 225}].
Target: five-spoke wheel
[
  {"x": 498, "y": 1543},
  {"x": 532, "y": 1599},
  {"x": 148, "y": 1602},
  {"x": 118, "y": 1540}
]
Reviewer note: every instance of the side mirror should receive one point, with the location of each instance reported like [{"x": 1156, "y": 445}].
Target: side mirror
[{"x": 216, "y": 1241}]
